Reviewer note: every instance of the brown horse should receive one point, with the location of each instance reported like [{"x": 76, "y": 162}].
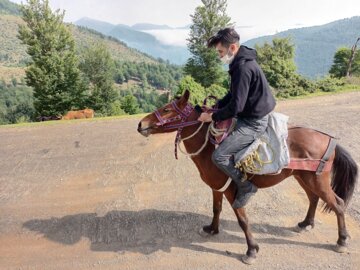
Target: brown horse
[{"x": 335, "y": 188}]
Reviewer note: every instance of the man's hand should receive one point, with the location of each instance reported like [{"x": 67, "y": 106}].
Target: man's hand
[{"x": 205, "y": 117}]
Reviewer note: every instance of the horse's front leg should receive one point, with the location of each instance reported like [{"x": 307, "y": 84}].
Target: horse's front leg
[
  {"x": 253, "y": 247},
  {"x": 213, "y": 228}
]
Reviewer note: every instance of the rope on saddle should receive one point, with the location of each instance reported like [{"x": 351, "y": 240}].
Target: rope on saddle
[{"x": 253, "y": 163}]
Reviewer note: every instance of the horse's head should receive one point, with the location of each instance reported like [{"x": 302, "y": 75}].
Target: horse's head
[{"x": 167, "y": 118}]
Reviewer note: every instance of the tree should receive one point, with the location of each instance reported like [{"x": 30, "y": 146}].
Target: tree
[
  {"x": 197, "y": 91},
  {"x": 217, "y": 91},
  {"x": 277, "y": 62},
  {"x": 204, "y": 65},
  {"x": 53, "y": 71},
  {"x": 341, "y": 62},
  {"x": 129, "y": 104},
  {"x": 352, "y": 57},
  {"x": 98, "y": 68}
]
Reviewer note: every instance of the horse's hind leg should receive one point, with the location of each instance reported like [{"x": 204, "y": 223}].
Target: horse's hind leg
[
  {"x": 339, "y": 209},
  {"x": 313, "y": 202},
  {"x": 213, "y": 228},
  {"x": 321, "y": 186}
]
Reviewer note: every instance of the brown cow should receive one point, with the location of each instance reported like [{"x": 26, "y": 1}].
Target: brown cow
[{"x": 80, "y": 114}]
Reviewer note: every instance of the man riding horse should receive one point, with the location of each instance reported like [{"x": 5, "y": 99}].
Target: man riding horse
[{"x": 249, "y": 100}]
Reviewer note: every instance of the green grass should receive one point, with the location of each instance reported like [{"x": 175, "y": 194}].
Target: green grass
[{"x": 60, "y": 122}]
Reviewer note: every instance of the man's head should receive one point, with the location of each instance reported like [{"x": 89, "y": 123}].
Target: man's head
[{"x": 227, "y": 43}]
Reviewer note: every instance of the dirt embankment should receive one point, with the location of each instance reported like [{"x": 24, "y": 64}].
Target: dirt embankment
[{"x": 97, "y": 195}]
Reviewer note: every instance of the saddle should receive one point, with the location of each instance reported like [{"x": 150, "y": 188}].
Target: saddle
[{"x": 269, "y": 153}]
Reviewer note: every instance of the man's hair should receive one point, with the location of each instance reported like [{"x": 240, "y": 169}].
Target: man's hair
[{"x": 226, "y": 37}]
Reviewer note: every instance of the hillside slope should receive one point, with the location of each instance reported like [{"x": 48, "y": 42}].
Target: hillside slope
[
  {"x": 7, "y": 7},
  {"x": 142, "y": 41},
  {"x": 13, "y": 53},
  {"x": 315, "y": 46}
]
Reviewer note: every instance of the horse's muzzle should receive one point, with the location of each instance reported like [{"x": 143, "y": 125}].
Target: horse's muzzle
[{"x": 144, "y": 131}]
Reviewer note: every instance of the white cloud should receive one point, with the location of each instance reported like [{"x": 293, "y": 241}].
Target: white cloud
[{"x": 176, "y": 37}]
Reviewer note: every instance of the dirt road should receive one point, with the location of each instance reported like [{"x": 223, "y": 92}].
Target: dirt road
[{"x": 96, "y": 195}]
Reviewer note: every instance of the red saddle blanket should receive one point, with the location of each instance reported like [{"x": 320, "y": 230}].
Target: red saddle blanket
[{"x": 308, "y": 165}]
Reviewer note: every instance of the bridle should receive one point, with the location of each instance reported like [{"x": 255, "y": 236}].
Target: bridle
[
  {"x": 183, "y": 115},
  {"x": 173, "y": 122}
]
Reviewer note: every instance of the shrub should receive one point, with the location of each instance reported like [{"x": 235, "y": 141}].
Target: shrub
[{"x": 330, "y": 84}]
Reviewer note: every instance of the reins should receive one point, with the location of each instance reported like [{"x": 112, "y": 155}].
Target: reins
[{"x": 183, "y": 116}]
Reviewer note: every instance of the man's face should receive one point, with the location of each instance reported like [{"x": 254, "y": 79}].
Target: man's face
[{"x": 222, "y": 50}]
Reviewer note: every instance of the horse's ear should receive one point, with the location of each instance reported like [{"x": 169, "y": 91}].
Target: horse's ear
[{"x": 186, "y": 95}]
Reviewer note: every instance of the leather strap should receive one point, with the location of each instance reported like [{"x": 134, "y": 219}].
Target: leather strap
[{"x": 325, "y": 158}]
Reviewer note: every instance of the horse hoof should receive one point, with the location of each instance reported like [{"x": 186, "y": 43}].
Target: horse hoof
[
  {"x": 248, "y": 260},
  {"x": 340, "y": 249},
  {"x": 206, "y": 234},
  {"x": 299, "y": 229}
]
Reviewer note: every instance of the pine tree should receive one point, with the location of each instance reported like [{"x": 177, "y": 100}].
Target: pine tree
[
  {"x": 204, "y": 65},
  {"x": 53, "y": 71}
]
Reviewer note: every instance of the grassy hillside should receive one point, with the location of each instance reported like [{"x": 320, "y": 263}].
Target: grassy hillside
[
  {"x": 13, "y": 55},
  {"x": 7, "y": 7},
  {"x": 316, "y": 46},
  {"x": 120, "y": 51},
  {"x": 12, "y": 52}
]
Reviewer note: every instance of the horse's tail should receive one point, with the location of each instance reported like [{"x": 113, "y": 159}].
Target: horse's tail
[{"x": 344, "y": 175}]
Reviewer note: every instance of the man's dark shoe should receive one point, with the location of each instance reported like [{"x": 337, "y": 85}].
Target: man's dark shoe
[{"x": 244, "y": 192}]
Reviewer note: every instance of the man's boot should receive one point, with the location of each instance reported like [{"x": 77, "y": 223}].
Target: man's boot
[{"x": 244, "y": 192}]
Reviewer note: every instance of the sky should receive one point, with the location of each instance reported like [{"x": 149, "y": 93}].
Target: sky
[{"x": 252, "y": 18}]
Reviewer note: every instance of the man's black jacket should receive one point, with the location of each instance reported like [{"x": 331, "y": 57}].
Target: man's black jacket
[{"x": 249, "y": 94}]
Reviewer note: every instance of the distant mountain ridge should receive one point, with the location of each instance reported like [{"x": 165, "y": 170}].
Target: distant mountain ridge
[
  {"x": 315, "y": 46},
  {"x": 134, "y": 37}
]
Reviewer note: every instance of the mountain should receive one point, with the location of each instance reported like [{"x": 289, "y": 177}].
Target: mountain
[
  {"x": 315, "y": 46},
  {"x": 13, "y": 56},
  {"x": 13, "y": 53},
  {"x": 102, "y": 27},
  {"x": 7, "y": 7},
  {"x": 142, "y": 41}
]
